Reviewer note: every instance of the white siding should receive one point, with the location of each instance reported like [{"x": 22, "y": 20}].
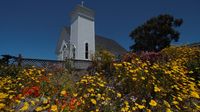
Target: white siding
[
  {"x": 82, "y": 31},
  {"x": 74, "y": 36},
  {"x": 85, "y": 35}
]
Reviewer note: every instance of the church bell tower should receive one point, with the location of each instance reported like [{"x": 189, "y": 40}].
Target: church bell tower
[{"x": 82, "y": 34}]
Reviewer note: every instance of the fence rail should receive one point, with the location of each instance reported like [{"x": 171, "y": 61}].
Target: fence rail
[{"x": 24, "y": 62}]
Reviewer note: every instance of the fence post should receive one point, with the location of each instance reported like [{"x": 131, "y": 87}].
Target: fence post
[{"x": 19, "y": 60}]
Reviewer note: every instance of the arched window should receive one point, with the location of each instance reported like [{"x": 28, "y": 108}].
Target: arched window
[
  {"x": 86, "y": 50},
  {"x": 73, "y": 52},
  {"x": 64, "y": 52}
]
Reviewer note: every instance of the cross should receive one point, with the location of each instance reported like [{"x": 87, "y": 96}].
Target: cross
[{"x": 82, "y": 2}]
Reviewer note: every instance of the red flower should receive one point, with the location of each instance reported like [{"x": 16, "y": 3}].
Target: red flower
[
  {"x": 72, "y": 103},
  {"x": 34, "y": 91}
]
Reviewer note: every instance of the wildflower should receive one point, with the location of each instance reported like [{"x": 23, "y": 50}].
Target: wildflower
[
  {"x": 25, "y": 107},
  {"x": 90, "y": 90},
  {"x": 119, "y": 95},
  {"x": 45, "y": 101},
  {"x": 101, "y": 84},
  {"x": 156, "y": 89},
  {"x": 168, "y": 110},
  {"x": 39, "y": 109},
  {"x": 134, "y": 79},
  {"x": 191, "y": 72},
  {"x": 141, "y": 106},
  {"x": 152, "y": 103},
  {"x": 175, "y": 102},
  {"x": 3, "y": 95},
  {"x": 146, "y": 71},
  {"x": 75, "y": 94},
  {"x": 63, "y": 93},
  {"x": 194, "y": 94},
  {"x": 32, "y": 102},
  {"x": 144, "y": 101},
  {"x": 54, "y": 108},
  {"x": 132, "y": 71},
  {"x": 11, "y": 96},
  {"x": 134, "y": 108},
  {"x": 93, "y": 101},
  {"x": 166, "y": 104},
  {"x": 148, "y": 110},
  {"x": 2, "y": 105},
  {"x": 143, "y": 78},
  {"x": 98, "y": 96},
  {"x": 180, "y": 98}
]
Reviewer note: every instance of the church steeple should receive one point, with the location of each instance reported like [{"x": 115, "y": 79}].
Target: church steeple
[
  {"x": 83, "y": 32},
  {"x": 82, "y": 11}
]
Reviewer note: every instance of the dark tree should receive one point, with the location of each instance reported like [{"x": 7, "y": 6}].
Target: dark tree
[{"x": 156, "y": 34}]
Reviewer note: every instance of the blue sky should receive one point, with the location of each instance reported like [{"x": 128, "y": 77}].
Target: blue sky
[{"x": 32, "y": 27}]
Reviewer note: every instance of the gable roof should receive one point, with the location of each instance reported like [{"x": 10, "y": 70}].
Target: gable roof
[
  {"x": 101, "y": 43},
  {"x": 109, "y": 45}
]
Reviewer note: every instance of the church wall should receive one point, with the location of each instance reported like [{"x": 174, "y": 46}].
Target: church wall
[
  {"x": 74, "y": 37},
  {"x": 86, "y": 34}
]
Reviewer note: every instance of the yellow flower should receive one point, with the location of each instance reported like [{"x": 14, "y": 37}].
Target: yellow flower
[
  {"x": 191, "y": 72},
  {"x": 39, "y": 109},
  {"x": 11, "y": 96},
  {"x": 156, "y": 89},
  {"x": 134, "y": 108},
  {"x": 98, "y": 96},
  {"x": 90, "y": 90},
  {"x": 93, "y": 101},
  {"x": 45, "y": 101},
  {"x": 126, "y": 102},
  {"x": 3, "y": 95},
  {"x": 32, "y": 102},
  {"x": 101, "y": 84},
  {"x": 54, "y": 108},
  {"x": 194, "y": 94},
  {"x": 119, "y": 95},
  {"x": 143, "y": 78},
  {"x": 175, "y": 102},
  {"x": 134, "y": 79},
  {"x": 148, "y": 110},
  {"x": 167, "y": 104},
  {"x": 75, "y": 94},
  {"x": 132, "y": 71},
  {"x": 63, "y": 92},
  {"x": 97, "y": 110},
  {"x": 2, "y": 105},
  {"x": 141, "y": 106},
  {"x": 168, "y": 110},
  {"x": 122, "y": 109},
  {"x": 180, "y": 98},
  {"x": 146, "y": 71},
  {"x": 152, "y": 103},
  {"x": 25, "y": 107}
]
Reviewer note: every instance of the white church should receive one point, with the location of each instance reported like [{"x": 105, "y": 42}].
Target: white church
[{"x": 79, "y": 41}]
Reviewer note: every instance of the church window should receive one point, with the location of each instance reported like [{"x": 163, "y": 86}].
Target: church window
[
  {"x": 86, "y": 50},
  {"x": 73, "y": 50}
]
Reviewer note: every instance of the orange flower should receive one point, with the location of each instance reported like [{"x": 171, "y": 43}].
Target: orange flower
[{"x": 54, "y": 108}]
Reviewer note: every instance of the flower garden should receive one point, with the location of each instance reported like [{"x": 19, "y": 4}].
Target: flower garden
[{"x": 168, "y": 81}]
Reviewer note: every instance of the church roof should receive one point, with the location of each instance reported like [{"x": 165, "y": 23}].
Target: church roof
[
  {"x": 109, "y": 45},
  {"x": 101, "y": 43}
]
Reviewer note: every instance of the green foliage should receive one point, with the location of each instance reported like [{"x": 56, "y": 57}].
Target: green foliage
[
  {"x": 9, "y": 70},
  {"x": 102, "y": 62},
  {"x": 156, "y": 34}
]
